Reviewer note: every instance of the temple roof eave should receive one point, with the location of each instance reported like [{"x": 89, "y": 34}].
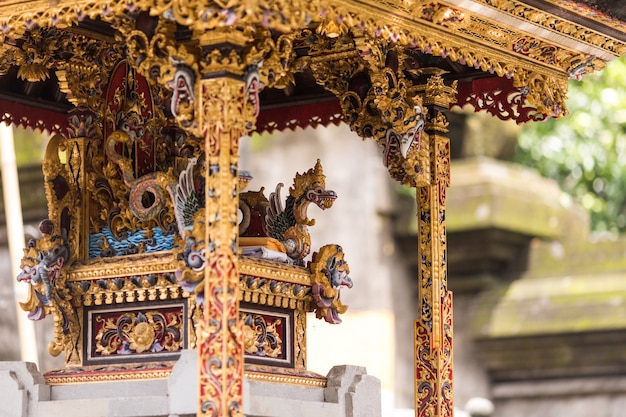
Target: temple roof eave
[{"x": 537, "y": 50}]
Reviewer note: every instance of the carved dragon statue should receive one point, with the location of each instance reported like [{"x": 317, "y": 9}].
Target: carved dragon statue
[
  {"x": 289, "y": 223},
  {"x": 147, "y": 193},
  {"x": 329, "y": 272},
  {"x": 193, "y": 257},
  {"x": 41, "y": 267}
]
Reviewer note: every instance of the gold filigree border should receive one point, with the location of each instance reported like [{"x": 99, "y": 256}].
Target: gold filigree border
[
  {"x": 399, "y": 20},
  {"x": 562, "y": 26},
  {"x": 588, "y": 12},
  {"x": 282, "y": 296},
  {"x": 272, "y": 270},
  {"x": 152, "y": 374},
  {"x": 141, "y": 264},
  {"x": 286, "y": 379},
  {"x": 95, "y": 374},
  {"x": 155, "y": 263},
  {"x": 538, "y": 58}
]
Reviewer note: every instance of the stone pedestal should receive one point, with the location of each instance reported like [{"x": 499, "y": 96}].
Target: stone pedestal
[{"x": 349, "y": 392}]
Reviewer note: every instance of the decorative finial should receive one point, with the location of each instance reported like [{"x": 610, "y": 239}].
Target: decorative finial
[{"x": 318, "y": 170}]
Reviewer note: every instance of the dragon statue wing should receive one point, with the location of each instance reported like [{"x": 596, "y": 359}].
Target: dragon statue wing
[
  {"x": 187, "y": 202},
  {"x": 276, "y": 220}
]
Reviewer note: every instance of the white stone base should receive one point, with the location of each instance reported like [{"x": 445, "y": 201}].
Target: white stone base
[{"x": 350, "y": 392}]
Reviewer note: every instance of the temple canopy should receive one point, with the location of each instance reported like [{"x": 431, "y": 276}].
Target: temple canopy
[{"x": 511, "y": 58}]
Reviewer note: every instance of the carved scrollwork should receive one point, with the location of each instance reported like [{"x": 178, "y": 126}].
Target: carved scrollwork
[
  {"x": 261, "y": 336},
  {"x": 454, "y": 24},
  {"x": 561, "y": 25},
  {"x": 121, "y": 290},
  {"x": 377, "y": 99},
  {"x": 129, "y": 333},
  {"x": 34, "y": 56},
  {"x": 275, "y": 293}
]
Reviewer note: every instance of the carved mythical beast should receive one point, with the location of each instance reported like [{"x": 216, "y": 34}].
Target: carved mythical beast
[
  {"x": 41, "y": 266},
  {"x": 329, "y": 272},
  {"x": 289, "y": 224},
  {"x": 181, "y": 192}
]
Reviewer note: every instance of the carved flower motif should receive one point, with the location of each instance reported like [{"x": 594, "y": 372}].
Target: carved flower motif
[
  {"x": 142, "y": 337},
  {"x": 250, "y": 343}
]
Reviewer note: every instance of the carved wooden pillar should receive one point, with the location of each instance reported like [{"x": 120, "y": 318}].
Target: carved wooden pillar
[
  {"x": 224, "y": 115},
  {"x": 433, "y": 329},
  {"x": 83, "y": 82},
  {"x": 380, "y": 102},
  {"x": 63, "y": 168}
]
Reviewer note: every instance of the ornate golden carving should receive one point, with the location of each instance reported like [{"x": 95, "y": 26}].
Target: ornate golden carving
[
  {"x": 118, "y": 372},
  {"x": 150, "y": 371},
  {"x": 284, "y": 376},
  {"x": 42, "y": 268},
  {"x": 442, "y": 15},
  {"x": 329, "y": 272},
  {"x": 300, "y": 339},
  {"x": 34, "y": 56},
  {"x": 289, "y": 223},
  {"x": 223, "y": 114},
  {"x": 61, "y": 163},
  {"x": 84, "y": 76},
  {"x": 132, "y": 265},
  {"x": 156, "y": 183},
  {"x": 275, "y": 293},
  {"x": 214, "y": 58},
  {"x": 130, "y": 289},
  {"x": 435, "y": 92},
  {"x": 539, "y": 50},
  {"x": 130, "y": 332},
  {"x": 260, "y": 335},
  {"x": 64, "y": 168},
  {"x": 433, "y": 330},
  {"x": 487, "y": 48},
  {"x": 374, "y": 94},
  {"x": 267, "y": 269},
  {"x": 288, "y": 16},
  {"x": 560, "y": 25}
]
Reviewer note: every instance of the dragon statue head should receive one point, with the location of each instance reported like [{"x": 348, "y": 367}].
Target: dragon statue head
[
  {"x": 131, "y": 121},
  {"x": 40, "y": 267},
  {"x": 289, "y": 223},
  {"x": 307, "y": 188},
  {"x": 329, "y": 272},
  {"x": 30, "y": 274}
]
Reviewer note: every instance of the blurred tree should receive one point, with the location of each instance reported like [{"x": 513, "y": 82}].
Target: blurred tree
[
  {"x": 29, "y": 146},
  {"x": 586, "y": 150}
]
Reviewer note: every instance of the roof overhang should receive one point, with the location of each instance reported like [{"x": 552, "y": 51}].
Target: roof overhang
[{"x": 512, "y": 58}]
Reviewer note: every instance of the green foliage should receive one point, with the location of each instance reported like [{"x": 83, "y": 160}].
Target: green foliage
[
  {"x": 29, "y": 146},
  {"x": 259, "y": 142},
  {"x": 586, "y": 150}
]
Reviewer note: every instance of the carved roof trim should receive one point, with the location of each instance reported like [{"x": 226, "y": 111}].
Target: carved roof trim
[
  {"x": 538, "y": 45},
  {"x": 384, "y": 16},
  {"x": 561, "y": 31}
]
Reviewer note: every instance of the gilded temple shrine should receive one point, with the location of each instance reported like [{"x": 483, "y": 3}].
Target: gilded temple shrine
[{"x": 154, "y": 246}]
